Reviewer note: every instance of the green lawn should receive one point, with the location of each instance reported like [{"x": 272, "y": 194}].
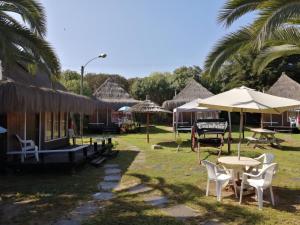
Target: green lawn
[{"x": 40, "y": 198}]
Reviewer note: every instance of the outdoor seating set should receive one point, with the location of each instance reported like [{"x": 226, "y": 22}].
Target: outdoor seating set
[{"x": 256, "y": 173}]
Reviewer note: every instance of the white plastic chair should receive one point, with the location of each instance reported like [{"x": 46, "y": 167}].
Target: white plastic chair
[
  {"x": 28, "y": 145},
  {"x": 266, "y": 158},
  {"x": 221, "y": 177},
  {"x": 260, "y": 182}
]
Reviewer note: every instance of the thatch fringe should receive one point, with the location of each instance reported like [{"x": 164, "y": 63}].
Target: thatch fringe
[
  {"x": 192, "y": 90},
  {"x": 285, "y": 87},
  {"x": 112, "y": 95}
]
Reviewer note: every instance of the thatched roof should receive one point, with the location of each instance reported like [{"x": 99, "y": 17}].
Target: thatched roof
[
  {"x": 192, "y": 91},
  {"x": 285, "y": 87},
  {"x": 20, "y": 91},
  {"x": 113, "y": 95},
  {"x": 148, "y": 106}
]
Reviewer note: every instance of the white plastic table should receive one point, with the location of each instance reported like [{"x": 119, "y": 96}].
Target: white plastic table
[{"x": 238, "y": 165}]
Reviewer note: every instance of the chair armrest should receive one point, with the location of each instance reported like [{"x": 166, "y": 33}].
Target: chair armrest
[
  {"x": 246, "y": 175},
  {"x": 259, "y": 157}
]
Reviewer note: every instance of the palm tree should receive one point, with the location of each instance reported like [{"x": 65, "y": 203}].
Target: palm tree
[
  {"x": 24, "y": 43},
  {"x": 274, "y": 33}
]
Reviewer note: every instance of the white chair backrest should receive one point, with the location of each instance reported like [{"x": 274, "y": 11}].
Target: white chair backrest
[
  {"x": 268, "y": 159},
  {"x": 267, "y": 174},
  {"x": 211, "y": 169},
  {"x": 71, "y": 133}
]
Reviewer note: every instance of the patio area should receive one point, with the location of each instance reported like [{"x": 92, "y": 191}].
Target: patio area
[{"x": 153, "y": 187}]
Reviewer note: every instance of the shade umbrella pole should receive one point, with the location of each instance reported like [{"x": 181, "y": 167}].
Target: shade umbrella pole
[
  {"x": 230, "y": 130},
  {"x": 240, "y": 134},
  {"x": 148, "y": 115}
]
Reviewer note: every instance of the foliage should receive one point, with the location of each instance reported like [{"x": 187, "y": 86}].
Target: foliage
[
  {"x": 238, "y": 71},
  {"x": 162, "y": 86},
  {"x": 24, "y": 43},
  {"x": 156, "y": 85},
  {"x": 273, "y": 34},
  {"x": 71, "y": 80}
]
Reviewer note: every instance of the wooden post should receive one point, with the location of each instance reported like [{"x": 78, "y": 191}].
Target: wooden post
[
  {"x": 229, "y": 135},
  {"x": 148, "y": 118},
  {"x": 240, "y": 134}
]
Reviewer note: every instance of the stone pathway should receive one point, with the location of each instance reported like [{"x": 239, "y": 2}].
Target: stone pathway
[{"x": 111, "y": 182}]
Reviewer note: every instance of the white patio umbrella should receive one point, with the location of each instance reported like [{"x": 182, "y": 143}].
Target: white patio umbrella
[{"x": 244, "y": 99}]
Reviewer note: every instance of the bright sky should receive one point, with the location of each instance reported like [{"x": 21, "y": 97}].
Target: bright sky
[{"x": 139, "y": 36}]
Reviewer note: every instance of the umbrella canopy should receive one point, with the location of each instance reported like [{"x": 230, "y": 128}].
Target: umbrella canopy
[
  {"x": 245, "y": 99},
  {"x": 2, "y": 130},
  {"x": 124, "y": 109},
  {"x": 248, "y": 100},
  {"x": 148, "y": 107}
]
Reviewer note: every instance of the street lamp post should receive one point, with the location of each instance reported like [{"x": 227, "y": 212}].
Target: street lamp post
[{"x": 103, "y": 55}]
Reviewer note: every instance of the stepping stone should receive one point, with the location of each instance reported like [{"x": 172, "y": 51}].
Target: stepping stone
[
  {"x": 67, "y": 222},
  {"x": 181, "y": 212},
  {"x": 139, "y": 189},
  {"x": 107, "y": 185},
  {"x": 112, "y": 171},
  {"x": 211, "y": 222},
  {"x": 112, "y": 177},
  {"x": 111, "y": 165},
  {"x": 103, "y": 196},
  {"x": 83, "y": 211},
  {"x": 157, "y": 200}
]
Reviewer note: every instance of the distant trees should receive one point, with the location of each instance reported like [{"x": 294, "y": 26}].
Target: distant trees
[
  {"x": 71, "y": 81},
  {"x": 162, "y": 86},
  {"x": 159, "y": 86}
]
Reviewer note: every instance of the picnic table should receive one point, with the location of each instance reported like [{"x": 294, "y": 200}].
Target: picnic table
[{"x": 263, "y": 136}]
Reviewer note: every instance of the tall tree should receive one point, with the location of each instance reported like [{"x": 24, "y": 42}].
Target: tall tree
[
  {"x": 24, "y": 43},
  {"x": 273, "y": 34}
]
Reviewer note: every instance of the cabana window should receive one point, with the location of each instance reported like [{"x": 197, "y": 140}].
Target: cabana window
[
  {"x": 55, "y": 126},
  {"x": 48, "y": 126},
  {"x": 63, "y": 125}
]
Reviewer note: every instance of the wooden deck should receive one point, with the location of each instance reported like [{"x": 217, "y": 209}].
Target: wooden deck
[{"x": 56, "y": 159}]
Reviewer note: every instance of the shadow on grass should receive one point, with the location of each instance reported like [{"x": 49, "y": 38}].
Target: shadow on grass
[
  {"x": 50, "y": 194},
  {"x": 130, "y": 209}
]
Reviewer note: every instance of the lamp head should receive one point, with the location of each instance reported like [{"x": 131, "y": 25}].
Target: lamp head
[{"x": 102, "y": 55}]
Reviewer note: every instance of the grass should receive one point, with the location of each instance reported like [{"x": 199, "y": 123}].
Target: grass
[{"x": 40, "y": 198}]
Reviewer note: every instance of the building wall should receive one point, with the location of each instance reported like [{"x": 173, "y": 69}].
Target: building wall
[
  {"x": 104, "y": 116},
  {"x": 279, "y": 120},
  {"x": 15, "y": 125}
]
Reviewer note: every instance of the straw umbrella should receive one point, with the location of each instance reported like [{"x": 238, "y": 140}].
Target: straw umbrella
[
  {"x": 244, "y": 99},
  {"x": 148, "y": 107}
]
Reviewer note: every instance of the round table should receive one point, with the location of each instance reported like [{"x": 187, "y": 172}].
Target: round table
[{"x": 234, "y": 161}]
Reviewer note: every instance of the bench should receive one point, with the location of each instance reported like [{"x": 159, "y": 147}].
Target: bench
[{"x": 216, "y": 127}]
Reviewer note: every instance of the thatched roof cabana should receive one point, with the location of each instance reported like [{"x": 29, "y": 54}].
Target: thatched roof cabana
[
  {"x": 285, "y": 87},
  {"x": 21, "y": 91},
  {"x": 111, "y": 94},
  {"x": 192, "y": 90}
]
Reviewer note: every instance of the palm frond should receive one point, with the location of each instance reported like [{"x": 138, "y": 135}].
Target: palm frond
[
  {"x": 228, "y": 47},
  {"x": 274, "y": 14},
  {"x": 31, "y": 11},
  {"x": 234, "y": 9},
  {"x": 271, "y": 53}
]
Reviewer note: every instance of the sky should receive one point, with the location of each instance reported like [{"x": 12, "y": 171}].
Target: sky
[{"x": 138, "y": 36}]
